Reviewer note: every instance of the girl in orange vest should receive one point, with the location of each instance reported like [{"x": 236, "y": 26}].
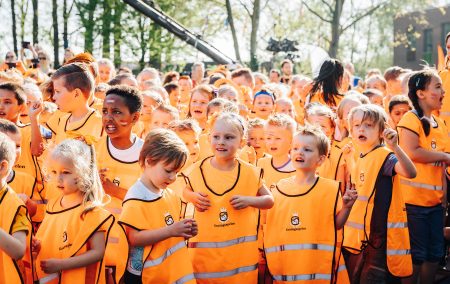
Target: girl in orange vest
[
  {"x": 15, "y": 226},
  {"x": 70, "y": 243},
  {"x": 376, "y": 239},
  {"x": 425, "y": 139},
  {"x": 152, "y": 213},
  {"x": 227, "y": 194}
]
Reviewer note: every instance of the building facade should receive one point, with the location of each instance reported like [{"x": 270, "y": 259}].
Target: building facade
[{"x": 417, "y": 36}]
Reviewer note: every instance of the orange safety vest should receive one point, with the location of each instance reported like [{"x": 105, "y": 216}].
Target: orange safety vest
[
  {"x": 10, "y": 270},
  {"x": 357, "y": 227},
  {"x": 301, "y": 243},
  {"x": 64, "y": 233},
  {"x": 271, "y": 174},
  {"x": 225, "y": 249},
  {"x": 426, "y": 189},
  {"x": 90, "y": 126},
  {"x": 124, "y": 175},
  {"x": 318, "y": 98},
  {"x": 330, "y": 166},
  {"x": 166, "y": 261},
  {"x": 444, "y": 113}
]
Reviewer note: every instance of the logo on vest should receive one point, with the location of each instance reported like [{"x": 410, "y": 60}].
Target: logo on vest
[
  {"x": 295, "y": 223},
  {"x": 116, "y": 181},
  {"x": 433, "y": 144},
  {"x": 361, "y": 177},
  {"x": 64, "y": 237},
  {"x": 224, "y": 218},
  {"x": 168, "y": 219}
]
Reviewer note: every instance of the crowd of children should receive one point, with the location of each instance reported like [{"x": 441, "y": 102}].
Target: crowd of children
[{"x": 228, "y": 177}]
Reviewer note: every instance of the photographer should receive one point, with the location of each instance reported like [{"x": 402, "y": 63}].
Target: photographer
[{"x": 11, "y": 62}]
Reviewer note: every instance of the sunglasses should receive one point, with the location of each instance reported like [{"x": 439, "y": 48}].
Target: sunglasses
[
  {"x": 42, "y": 58},
  {"x": 9, "y": 57}
]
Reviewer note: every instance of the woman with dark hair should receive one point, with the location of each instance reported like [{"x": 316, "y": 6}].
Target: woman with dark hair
[{"x": 325, "y": 87}]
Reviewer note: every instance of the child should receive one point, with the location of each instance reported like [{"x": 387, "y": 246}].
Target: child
[
  {"x": 200, "y": 97},
  {"x": 377, "y": 82},
  {"x": 424, "y": 138},
  {"x": 263, "y": 104},
  {"x": 73, "y": 85},
  {"x": 376, "y": 237},
  {"x": 227, "y": 193},
  {"x": 22, "y": 183},
  {"x": 151, "y": 215},
  {"x": 162, "y": 116},
  {"x": 117, "y": 160},
  {"x": 344, "y": 108},
  {"x": 106, "y": 70},
  {"x": 150, "y": 101},
  {"x": 256, "y": 137},
  {"x": 71, "y": 240},
  {"x": 399, "y": 105},
  {"x": 15, "y": 227},
  {"x": 174, "y": 93},
  {"x": 285, "y": 105},
  {"x": 229, "y": 93},
  {"x": 279, "y": 130},
  {"x": 296, "y": 232},
  {"x": 375, "y": 96}
]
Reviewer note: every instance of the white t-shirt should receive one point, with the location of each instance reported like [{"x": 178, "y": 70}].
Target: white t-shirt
[{"x": 129, "y": 155}]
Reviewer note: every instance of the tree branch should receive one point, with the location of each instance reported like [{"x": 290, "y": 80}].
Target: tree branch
[
  {"x": 315, "y": 13},
  {"x": 246, "y": 8},
  {"x": 328, "y": 5},
  {"x": 363, "y": 15}
]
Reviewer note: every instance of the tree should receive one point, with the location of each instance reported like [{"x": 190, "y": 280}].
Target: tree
[
  {"x": 14, "y": 32},
  {"x": 254, "y": 17},
  {"x": 55, "y": 32},
  {"x": 233, "y": 30},
  {"x": 35, "y": 21},
  {"x": 106, "y": 28},
  {"x": 86, "y": 13},
  {"x": 119, "y": 9},
  {"x": 23, "y": 7}
]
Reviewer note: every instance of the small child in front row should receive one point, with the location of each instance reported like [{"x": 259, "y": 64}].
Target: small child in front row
[
  {"x": 227, "y": 194},
  {"x": 70, "y": 243},
  {"x": 296, "y": 231},
  {"x": 376, "y": 238},
  {"x": 15, "y": 226},
  {"x": 152, "y": 215}
]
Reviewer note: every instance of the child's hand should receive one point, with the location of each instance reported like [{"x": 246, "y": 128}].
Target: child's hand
[
  {"x": 390, "y": 137},
  {"x": 183, "y": 228},
  {"x": 194, "y": 228},
  {"x": 348, "y": 151},
  {"x": 350, "y": 196},
  {"x": 35, "y": 109},
  {"x": 102, "y": 174},
  {"x": 35, "y": 246},
  {"x": 240, "y": 202},
  {"x": 200, "y": 201},
  {"x": 51, "y": 265},
  {"x": 251, "y": 153}
]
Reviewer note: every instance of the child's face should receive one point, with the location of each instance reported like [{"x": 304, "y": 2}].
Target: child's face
[
  {"x": 198, "y": 106},
  {"x": 375, "y": 84},
  {"x": 31, "y": 99},
  {"x": 148, "y": 105},
  {"x": 190, "y": 139},
  {"x": 63, "y": 97},
  {"x": 104, "y": 73},
  {"x": 433, "y": 95},
  {"x": 365, "y": 133},
  {"x": 324, "y": 122},
  {"x": 263, "y": 106},
  {"x": 160, "y": 175},
  {"x": 63, "y": 175},
  {"x": 256, "y": 139},
  {"x": 284, "y": 107},
  {"x": 185, "y": 89},
  {"x": 116, "y": 117},
  {"x": 160, "y": 119},
  {"x": 174, "y": 97},
  {"x": 16, "y": 138},
  {"x": 225, "y": 139},
  {"x": 232, "y": 97},
  {"x": 398, "y": 111},
  {"x": 305, "y": 153},
  {"x": 278, "y": 140},
  {"x": 394, "y": 87},
  {"x": 9, "y": 106},
  {"x": 376, "y": 100},
  {"x": 345, "y": 111}
]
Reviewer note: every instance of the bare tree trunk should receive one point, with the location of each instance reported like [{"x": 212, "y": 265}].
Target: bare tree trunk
[
  {"x": 23, "y": 15},
  {"x": 89, "y": 27},
  {"x": 14, "y": 32},
  {"x": 35, "y": 21},
  {"x": 106, "y": 29},
  {"x": 336, "y": 28},
  {"x": 65, "y": 25},
  {"x": 254, "y": 34},
  {"x": 233, "y": 30},
  {"x": 55, "y": 33},
  {"x": 119, "y": 7}
]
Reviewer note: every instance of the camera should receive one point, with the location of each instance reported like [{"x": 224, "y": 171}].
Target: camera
[
  {"x": 25, "y": 44},
  {"x": 11, "y": 65},
  {"x": 34, "y": 63}
]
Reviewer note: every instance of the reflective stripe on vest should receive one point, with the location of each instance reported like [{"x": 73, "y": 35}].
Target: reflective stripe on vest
[
  {"x": 169, "y": 252},
  {"x": 444, "y": 113},
  {"x": 299, "y": 277},
  {"x": 421, "y": 185},
  {"x": 363, "y": 198},
  {"x": 223, "y": 244},
  {"x": 206, "y": 275},
  {"x": 355, "y": 225},
  {"x": 185, "y": 279},
  {"x": 398, "y": 252},
  {"x": 397, "y": 225},
  {"x": 48, "y": 278},
  {"x": 299, "y": 247}
]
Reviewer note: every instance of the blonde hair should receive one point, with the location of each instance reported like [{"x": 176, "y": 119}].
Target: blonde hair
[
  {"x": 281, "y": 120},
  {"x": 83, "y": 159},
  {"x": 188, "y": 124},
  {"x": 371, "y": 112},
  {"x": 255, "y": 123},
  {"x": 168, "y": 109},
  {"x": 7, "y": 150},
  {"x": 233, "y": 119},
  {"x": 347, "y": 99},
  {"x": 320, "y": 110},
  {"x": 163, "y": 145},
  {"x": 322, "y": 141}
]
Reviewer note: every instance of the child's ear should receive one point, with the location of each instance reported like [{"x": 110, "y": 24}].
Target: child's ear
[
  {"x": 243, "y": 143},
  {"x": 22, "y": 107},
  {"x": 135, "y": 117},
  {"x": 322, "y": 159},
  {"x": 420, "y": 94},
  {"x": 4, "y": 168}
]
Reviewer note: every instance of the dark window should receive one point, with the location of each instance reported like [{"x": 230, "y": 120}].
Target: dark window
[
  {"x": 445, "y": 31},
  {"x": 412, "y": 45},
  {"x": 428, "y": 45}
]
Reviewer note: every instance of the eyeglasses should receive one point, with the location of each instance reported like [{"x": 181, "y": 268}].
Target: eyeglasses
[
  {"x": 42, "y": 58},
  {"x": 9, "y": 57}
]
